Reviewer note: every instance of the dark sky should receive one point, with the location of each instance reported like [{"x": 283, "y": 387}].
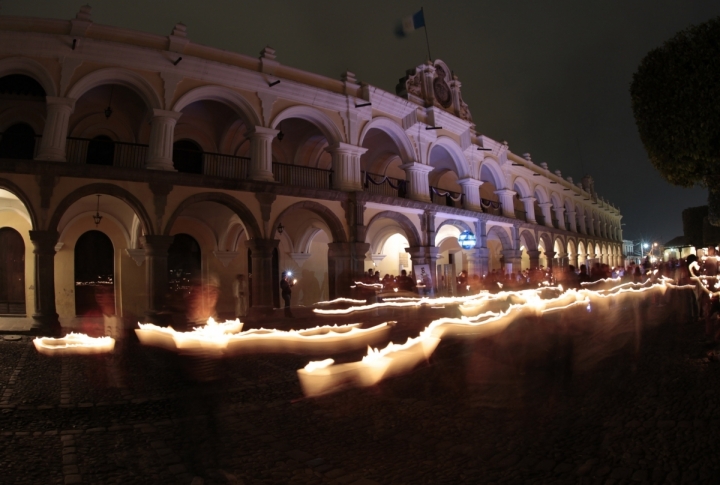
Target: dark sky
[{"x": 550, "y": 77}]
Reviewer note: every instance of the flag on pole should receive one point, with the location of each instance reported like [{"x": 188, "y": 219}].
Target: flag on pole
[{"x": 411, "y": 23}]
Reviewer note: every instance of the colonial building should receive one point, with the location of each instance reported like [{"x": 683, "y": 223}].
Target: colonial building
[{"x": 139, "y": 163}]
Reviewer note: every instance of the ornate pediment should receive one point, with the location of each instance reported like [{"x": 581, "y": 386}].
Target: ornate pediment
[{"x": 433, "y": 84}]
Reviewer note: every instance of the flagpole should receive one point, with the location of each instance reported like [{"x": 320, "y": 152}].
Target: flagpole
[{"x": 427, "y": 40}]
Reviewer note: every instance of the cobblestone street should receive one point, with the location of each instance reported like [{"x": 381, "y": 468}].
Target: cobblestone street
[{"x": 480, "y": 411}]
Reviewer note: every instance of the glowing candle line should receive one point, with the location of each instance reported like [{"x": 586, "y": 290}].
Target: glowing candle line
[{"x": 74, "y": 343}]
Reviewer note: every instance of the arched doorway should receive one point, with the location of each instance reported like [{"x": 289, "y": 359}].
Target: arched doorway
[
  {"x": 12, "y": 272},
  {"x": 94, "y": 274},
  {"x": 18, "y": 142},
  {"x": 187, "y": 157},
  {"x": 184, "y": 263},
  {"x": 101, "y": 151}
]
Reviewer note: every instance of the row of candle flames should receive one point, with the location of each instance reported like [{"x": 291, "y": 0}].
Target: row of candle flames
[{"x": 483, "y": 314}]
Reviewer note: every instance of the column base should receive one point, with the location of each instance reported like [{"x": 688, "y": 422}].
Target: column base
[
  {"x": 160, "y": 165},
  {"x": 46, "y": 325},
  {"x": 51, "y": 156},
  {"x": 262, "y": 176}
]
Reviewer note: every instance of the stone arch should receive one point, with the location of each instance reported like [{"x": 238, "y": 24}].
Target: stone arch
[
  {"x": 104, "y": 189},
  {"x": 569, "y": 204},
  {"x": 390, "y": 128},
  {"x": 556, "y": 200},
  {"x": 223, "y": 95},
  {"x": 462, "y": 225},
  {"x": 547, "y": 242},
  {"x": 456, "y": 155},
  {"x": 495, "y": 170},
  {"x": 502, "y": 235},
  {"x": 541, "y": 195},
  {"x": 560, "y": 242},
  {"x": 247, "y": 218},
  {"x": 19, "y": 114},
  {"x": 326, "y": 126},
  {"x": 123, "y": 77},
  {"x": 30, "y": 68},
  {"x": 522, "y": 187},
  {"x": 336, "y": 228},
  {"x": 529, "y": 240},
  {"x": 411, "y": 233},
  {"x": 18, "y": 192}
]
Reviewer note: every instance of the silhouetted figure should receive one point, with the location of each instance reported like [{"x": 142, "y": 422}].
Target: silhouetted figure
[{"x": 286, "y": 292}]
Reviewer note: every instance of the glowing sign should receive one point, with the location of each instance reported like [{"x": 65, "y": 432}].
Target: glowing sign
[{"x": 467, "y": 240}]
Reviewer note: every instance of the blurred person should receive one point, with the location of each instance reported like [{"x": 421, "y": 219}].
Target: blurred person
[
  {"x": 462, "y": 281},
  {"x": 404, "y": 282},
  {"x": 201, "y": 301},
  {"x": 240, "y": 291}
]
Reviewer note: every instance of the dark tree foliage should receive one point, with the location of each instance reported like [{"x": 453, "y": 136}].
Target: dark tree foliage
[{"x": 676, "y": 103}]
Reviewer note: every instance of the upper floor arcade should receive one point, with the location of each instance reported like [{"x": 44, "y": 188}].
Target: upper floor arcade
[{"x": 82, "y": 94}]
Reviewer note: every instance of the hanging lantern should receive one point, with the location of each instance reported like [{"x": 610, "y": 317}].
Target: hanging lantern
[{"x": 467, "y": 240}]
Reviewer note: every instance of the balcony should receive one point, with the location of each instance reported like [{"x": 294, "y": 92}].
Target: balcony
[
  {"x": 315, "y": 178},
  {"x": 491, "y": 207},
  {"x": 520, "y": 215},
  {"x": 383, "y": 185},
  {"x": 447, "y": 198},
  {"x": 105, "y": 152}
]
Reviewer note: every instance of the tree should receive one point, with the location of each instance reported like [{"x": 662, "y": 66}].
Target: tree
[{"x": 676, "y": 103}]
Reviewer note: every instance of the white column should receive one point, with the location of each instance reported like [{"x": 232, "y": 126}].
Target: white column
[
  {"x": 546, "y": 207},
  {"x": 55, "y": 132},
  {"x": 346, "y": 167},
  {"x": 506, "y": 201},
  {"x": 261, "y": 153},
  {"x": 573, "y": 221},
  {"x": 583, "y": 227},
  {"x": 529, "y": 203},
  {"x": 590, "y": 224},
  {"x": 162, "y": 132},
  {"x": 416, "y": 176},
  {"x": 471, "y": 191},
  {"x": 559, "y": 213}
]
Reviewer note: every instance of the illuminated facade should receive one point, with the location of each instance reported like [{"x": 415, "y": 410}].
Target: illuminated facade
[{"x": 211, "y": 164}]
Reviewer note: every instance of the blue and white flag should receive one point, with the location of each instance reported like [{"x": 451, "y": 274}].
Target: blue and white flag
[{"x": 410, "y": 23}]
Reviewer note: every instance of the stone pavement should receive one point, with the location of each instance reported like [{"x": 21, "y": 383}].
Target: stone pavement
[{"x": 626, "y": 406}]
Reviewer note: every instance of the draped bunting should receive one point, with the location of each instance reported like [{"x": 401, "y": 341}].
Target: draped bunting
[
  {"x": 445, "y": 193},
  {"x": 486, "y": 204},
  {"x": 400, "y": 185}
]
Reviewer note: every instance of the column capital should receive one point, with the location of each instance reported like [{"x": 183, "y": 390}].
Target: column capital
[
  {"x": 59, "y": 101},
  {"x": 347, "y": 148},
  {"x": 44, "y": 240},
  {"x": 505, "y": 192},
  {"x": 165, "y": 113},
  {"x": 469, "y": 182},
  {"x": 529, "y": 199},
  {"x": 417, "y": 167},
  {"x": 262, "y": 132},
  {"x": 156, "y": 244},
  {"x": 545, "y": 205}
]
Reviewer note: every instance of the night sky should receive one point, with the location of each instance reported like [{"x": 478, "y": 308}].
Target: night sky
[{"x": 550, "y": 77}]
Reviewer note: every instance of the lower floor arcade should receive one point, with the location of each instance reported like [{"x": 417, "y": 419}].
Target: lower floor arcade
[{"x": 74, "y": 247}]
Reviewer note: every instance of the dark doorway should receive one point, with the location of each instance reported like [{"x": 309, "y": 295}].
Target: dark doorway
[
  {"x": 12, "y": 272},
  {"x": 250, "y": 286},
  {"x": 276, "y": 278},
  {"x": 187, "y": 157},
  {"x": 18, "y": 142},
  {"x": 101, "y": 151},
  {"x": 184, "y": 260},
  {"x": 94, "y": 275}
]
